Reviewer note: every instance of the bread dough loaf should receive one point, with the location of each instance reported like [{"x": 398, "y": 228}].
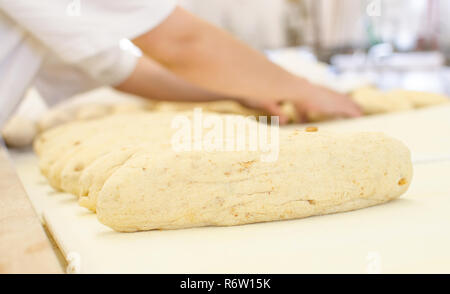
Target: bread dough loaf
[
  {"x": 316, "y": 173},
  {"x": 129, "y": 174}
]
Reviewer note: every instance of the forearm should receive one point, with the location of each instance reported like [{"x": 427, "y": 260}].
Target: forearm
[
  {"x": 151, "y": 80},
  {"x": 212, "y": 58}
]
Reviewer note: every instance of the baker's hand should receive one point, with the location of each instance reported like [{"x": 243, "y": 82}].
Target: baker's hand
[
  {"x": 320, "y": 103},
  {"x": 312, "y": 103}
]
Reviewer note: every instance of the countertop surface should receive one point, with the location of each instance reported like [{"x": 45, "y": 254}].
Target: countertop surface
[{"x": 409, "y": 235}]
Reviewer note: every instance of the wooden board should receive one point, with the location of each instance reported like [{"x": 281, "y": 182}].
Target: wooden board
[
  {"x": 24, "y": 246},
  {"x": 409, "y": 235}
]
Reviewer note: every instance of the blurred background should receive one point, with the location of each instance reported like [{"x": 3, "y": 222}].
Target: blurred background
[
  {"x": 365, "y": 49},
  {"x": 392, "y": 43}
]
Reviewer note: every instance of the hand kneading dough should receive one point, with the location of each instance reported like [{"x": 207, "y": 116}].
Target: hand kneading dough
[{"x": 316, "y": 173}]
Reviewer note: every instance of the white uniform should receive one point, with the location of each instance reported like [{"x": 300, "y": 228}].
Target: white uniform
[{"x": 66, "y": 47}]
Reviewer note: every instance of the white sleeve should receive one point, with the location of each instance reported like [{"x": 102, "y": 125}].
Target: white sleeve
[
  {"x": 57, "y": 80},
  {"x": 21, "y": 57},
  {"x": 110, "y": 67},
  {"x": 76, "y": 30}
]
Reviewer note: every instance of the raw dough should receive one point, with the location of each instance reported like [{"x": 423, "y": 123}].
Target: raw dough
[
  {"x": 225, "y": 107},
  {"x": 421, "y": 99},
  {"x": 82, "y": 143},
  {"x": 316, "y": 173},
  {"x": 92, "y": 111},
  {"x": 55, "y": 117},
  {"x": 19, "y": 132},
  {"x": 123, "y": 167},
  {"x": 86, "y": 111},
  {"x": 374, "y": 101},
  {"x": 95, "y": 175},
  {"x": 51, "y": 145},
  {"x": 130, "y": 108}
]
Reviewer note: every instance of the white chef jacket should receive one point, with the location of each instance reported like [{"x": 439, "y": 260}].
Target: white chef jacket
[{"x": 68, "y": 46}]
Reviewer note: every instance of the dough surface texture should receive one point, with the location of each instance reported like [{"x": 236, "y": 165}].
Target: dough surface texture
[
  {"x": 124, "y": 168},
  {"x": 315, "y": 174}
]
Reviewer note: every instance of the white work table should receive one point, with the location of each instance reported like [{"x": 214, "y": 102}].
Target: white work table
[{"x": 409, "y": 235}]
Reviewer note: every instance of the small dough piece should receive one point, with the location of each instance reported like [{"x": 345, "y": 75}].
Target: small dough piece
[
  {"x": 373, "y": 101},
  {"x": 397, "y": 102},
  {"x": 421, "y": 99},
  {"x": 288, "y": 109},
  {"x": 316, "y": 173},
  {"x": 19, "y": 132}
]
